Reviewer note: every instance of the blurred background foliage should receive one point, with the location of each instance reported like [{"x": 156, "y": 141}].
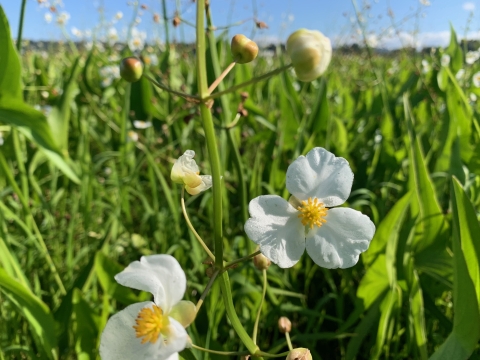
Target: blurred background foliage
[{"x": 85, "y": 189}]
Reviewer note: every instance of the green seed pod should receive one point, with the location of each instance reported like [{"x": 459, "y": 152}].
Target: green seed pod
[
  {"x": 243, "y": 49},
  {"x": 299, "y": 354},
  {"x": 131, "y": 69}
]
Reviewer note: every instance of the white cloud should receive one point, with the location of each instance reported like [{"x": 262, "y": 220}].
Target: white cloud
[{"x": 468, "y": 6}]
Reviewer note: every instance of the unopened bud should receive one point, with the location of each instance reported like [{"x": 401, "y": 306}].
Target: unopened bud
[
  {"x": 260, "y": 261},
  {"x": 176, "y": 21},
  {"x": 131, "y": 69},
  {"x": 156, "y": 18},
  {"x": 243, "y": 49},
  {"x": 299, "y": 354},
  {"x": 209, "y": 272},
  {"x": 310, "y": 52},
  {"x": 284, "y": 325}
]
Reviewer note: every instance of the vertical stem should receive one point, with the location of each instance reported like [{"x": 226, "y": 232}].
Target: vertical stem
[
  {"x": 20, "y": 26},
  {"x": 165, "y": 23},
  {"x": 123, "y": 154},
  {"x": 255, "y": 327},
  {"x": 15, "y": 135},
  {"x": 210, "y": 135},
  {"x": 242, "y": 186},
  {"x": 217, "y": 190}
]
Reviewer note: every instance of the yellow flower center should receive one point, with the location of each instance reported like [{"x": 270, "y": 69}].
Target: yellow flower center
[
  {"x": 312, "y": 212},
  {"x": 150, "y": 323}
]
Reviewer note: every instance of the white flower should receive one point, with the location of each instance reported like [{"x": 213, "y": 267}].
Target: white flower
[
  {"x": 473, "y": 97},
  {"x": 472, "y": 57},
  {"x": 48, "y": 18},
  {"x": 140, "y": 124},
  {"x": 310, "y": 52},
  {"x": 334, "y": 238},
  {"x": 425, "y": 66},
  {"x": 137, "y": 40},
  {"x": 185, "y": 171},
  {"x": 132, "y": 136},
  {"x": 425, "y": 2},
  {"x": 150, "y": 330},
  {"x": 119, "y": 15},
  {"x": 112, "y": 35},
  {"x": 445, "y": 60},
  {"x": 460, "y": 74},
  {"x": 63, "y": 18},
  {"x": 476, "y": 79}
]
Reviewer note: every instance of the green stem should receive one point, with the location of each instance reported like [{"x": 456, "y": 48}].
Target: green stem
[
  {"x": 210, "y": 135},
  {"x": 187, "y": 219},
  {"x": 125, "y": 204},
  {"x": 234, "y": 262},
  {"x": 249, "y": 82},
  {"x": 232, "y": 313},
  {"x": 165, "y": 22},
  {"x": 255, "y": 327},
  {"x": 20, "y": 26},
  {"x": 15, "y": 135},
  {"x": 224, "y": 353},
  {"x": 217, "y": 190},
  {"x": 289, "y": 342},
  {"x": 206, "y": 291},
  {"x": 242, "y": 186},
  {"x": 187, "y": 97}
]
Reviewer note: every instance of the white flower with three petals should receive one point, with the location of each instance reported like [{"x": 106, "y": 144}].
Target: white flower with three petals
[
  {"x": 334, "y": 238},
  {"x": 150, "y": 330}
]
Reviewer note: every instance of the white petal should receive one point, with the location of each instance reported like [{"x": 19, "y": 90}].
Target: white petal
[
  {"x": 339, "y": 242},
  {"x": 275, "y": 226},
  {"x": 184, "y": 167},
  {"x": 320, "y": 175},
  {"x": 119, "y": 340},
  {"x": 161, "y": 275},
  {"x": 206, "y": 183}
]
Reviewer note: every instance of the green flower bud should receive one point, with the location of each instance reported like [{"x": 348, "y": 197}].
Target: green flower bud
[
  {"x": 310, "y": 52},
  {"x": 261, "y": 262},
  {"x": 284, "y": 325},
  {"x": 243, "y": 49},
  {"x": 299, "y": 354},
  {"x": 131, "y": 69}
]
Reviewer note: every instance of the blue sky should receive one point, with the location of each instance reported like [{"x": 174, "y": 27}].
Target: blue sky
[{"x": 416, "y": 24}]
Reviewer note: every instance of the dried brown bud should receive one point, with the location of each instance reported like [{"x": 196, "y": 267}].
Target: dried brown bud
[
  {"x": 144, "y": 7},
  {"x": 261, "y": 24},
  {"x": 284, "y": 325},
  {"x": 244, "y": 95},
  {"x": 176, "y": 21},
  {"x": 156, "y": 18},
  {"x": 209, "y": 272}
]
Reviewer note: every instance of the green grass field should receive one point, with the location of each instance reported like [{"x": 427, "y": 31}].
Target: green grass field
[{"x": 83, "y": 193}]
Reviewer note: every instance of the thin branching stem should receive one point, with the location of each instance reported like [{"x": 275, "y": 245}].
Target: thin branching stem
[{"x": 257, "y": 320}]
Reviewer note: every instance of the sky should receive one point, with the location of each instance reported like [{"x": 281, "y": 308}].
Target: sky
[{"x": 387, "y": 23}]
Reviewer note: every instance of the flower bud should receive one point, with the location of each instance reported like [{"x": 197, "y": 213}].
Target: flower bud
[
  {"x": 284, "y": 325},
  {"x": 243, "y": 49},
  {"x": 131, "y": 69},
  {"x": 261, "y": 262},
  {"x": 310, "y": 52},
  {"x": 299, "y": 354}
]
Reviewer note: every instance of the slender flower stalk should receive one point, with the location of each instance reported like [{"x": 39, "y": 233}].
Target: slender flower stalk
[
  {"x": 255, "y": 327},
  {"x": 235, "y": 262},
  {"x": 221, "y": 77},
  {"x": 207, "y": 290},
  {"x": 187, "y": 219}
]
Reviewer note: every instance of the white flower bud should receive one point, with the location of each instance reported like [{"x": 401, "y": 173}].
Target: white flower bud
[
  {"x": 310, "y": 52},
  {"x": 185, "y": 171}
]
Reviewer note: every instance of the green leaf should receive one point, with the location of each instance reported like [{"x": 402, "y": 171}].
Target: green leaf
[
  {"x": 455, "y": 52},
  {"x": 35, "y": 311},
  {"x": 59, "y": 116},
  {"x": 387, "y": 230},
  {"x": 106, "y": 270},
  {"x": 10, "y": 68},
  {"x": 86, "y": 331},
  {"x": 374, "y": 283},
  {"x": 466, "y": 290}
]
